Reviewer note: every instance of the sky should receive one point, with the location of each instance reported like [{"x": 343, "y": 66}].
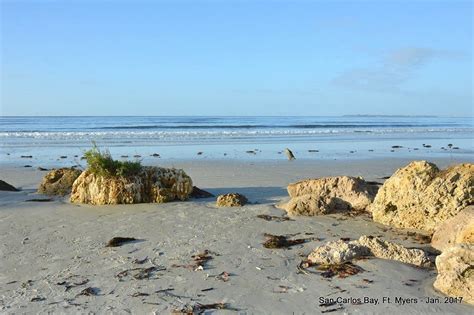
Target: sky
[{"x": 84, "y": 57}]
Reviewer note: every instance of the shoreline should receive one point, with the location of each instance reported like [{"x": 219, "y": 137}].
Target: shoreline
[{"x": 67, "y": 241}]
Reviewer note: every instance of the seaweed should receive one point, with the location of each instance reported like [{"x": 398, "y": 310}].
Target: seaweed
[
  {"x": 340, "y": 270},
  {"x": 282, "y": 241},
  {"x": 119, "y": 241},
  {"x": 267, "y": 217}
]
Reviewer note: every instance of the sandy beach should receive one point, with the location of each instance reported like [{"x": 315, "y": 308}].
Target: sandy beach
[{"x": 51, "y": 251}]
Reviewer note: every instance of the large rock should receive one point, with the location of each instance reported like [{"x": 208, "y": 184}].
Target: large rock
[
  {"x": 152, "y": 184},
  {"x": 338, "y": 252},
  {"x": 59, "y": 181},
  {"x": 328, "y": 195},
  {"x": 456, "y": 272},
  {"x": 459, "y": 229},
  {"x": 421, "y": 196},
  {"x": 6, "y": 186},
  {"x": 231, "y": 200}
]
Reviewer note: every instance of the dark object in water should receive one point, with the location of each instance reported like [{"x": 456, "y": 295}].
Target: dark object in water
[
  {"x": 63, "y": 157},
  {"x": 137, "y": 156},
  {"x": 42, "y": 169},
  {"x": 199, "y": 193},
  {"x": 119, "y": 241},
  {"x": 341, "y": 270},
  {"x": 27, "y": 166},
  {"x": 199, "y": 153},
  {"x": 6, "y": 186},
  {"x": 39, "y": 200},
  {"x": 281, "y": 241},
  {"x": 396, "y": 147},
  {"x": 155, "y": 155},
  {"x": 124, "y": 156},
  {"x": 313, "y": 150},
  {"x": 267, "y": 217},
  {"x": 26, "y": 156}
]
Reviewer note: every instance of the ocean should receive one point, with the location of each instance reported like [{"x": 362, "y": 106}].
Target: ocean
[{"x": 48, "y": 138}]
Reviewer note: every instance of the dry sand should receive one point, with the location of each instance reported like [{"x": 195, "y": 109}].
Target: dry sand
[{"x": 47, "y": 246}]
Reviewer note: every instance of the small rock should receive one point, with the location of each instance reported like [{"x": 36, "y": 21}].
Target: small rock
[
  {"x": 231, "y": 200},
  {"x": 6, "y": 186}
]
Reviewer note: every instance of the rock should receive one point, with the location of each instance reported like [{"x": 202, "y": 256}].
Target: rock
[
  {"x": 199, "y": 193},
  {"x": 421, "y": 196},
  {"x": 392, "y": 251},
  {"x": 456, "y": 272},
  {"x": 459, "y": 229},
  {"x": 59, "y": 181},
  {"x": 6, "y": 186},
  {"x": 151, "y": 185},
  {"x": 231, "y": 200},
  {"x": 338, "y": 252},
  {"x": 329, "y": 194}
]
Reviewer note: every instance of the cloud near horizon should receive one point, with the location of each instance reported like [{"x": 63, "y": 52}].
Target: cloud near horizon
[{"x": 395, "y": 68}]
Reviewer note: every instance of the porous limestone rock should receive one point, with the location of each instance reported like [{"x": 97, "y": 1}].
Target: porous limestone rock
[
  {"x": 328, "y": 195},
  {"x": 6, "y": 186},
  {"x": 58, "y": 181},
  {"x": 421, "y": 196},
  {"x": 456, "y": 272},
  {"x": 337, "y": 252},
  {"x": 151, "y": 185},
  {"x": 457, "y": 230},
  {"x": 231, "y": 200}
]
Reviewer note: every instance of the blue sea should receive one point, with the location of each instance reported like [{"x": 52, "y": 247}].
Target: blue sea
[{"x": 342, "y": 137}]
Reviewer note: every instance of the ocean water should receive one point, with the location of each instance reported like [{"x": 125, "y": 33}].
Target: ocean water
[{"x": 47, "y": 138}]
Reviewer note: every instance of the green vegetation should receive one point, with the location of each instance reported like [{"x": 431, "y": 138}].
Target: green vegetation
[{"x": 102, "y": 163}]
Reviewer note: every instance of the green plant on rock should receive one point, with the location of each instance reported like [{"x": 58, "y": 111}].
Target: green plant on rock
[{"x": 102, "y": 163}]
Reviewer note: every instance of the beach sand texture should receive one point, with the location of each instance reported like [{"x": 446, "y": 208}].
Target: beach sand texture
[{"x": 52, "y": 251}]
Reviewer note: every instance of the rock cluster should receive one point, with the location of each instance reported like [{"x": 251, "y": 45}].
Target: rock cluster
[
  {"x": 421, "y": 196},
  {"x": 328, "y": 195},
  {"x": 231, "y": 200},
  {"x": 338, "y": 252},
  {"x": 456, "y": 272},
  {"x": 151, "y": 184},
  {"x": 457, "y": 230},
  {"x": 58, "y": 181}
]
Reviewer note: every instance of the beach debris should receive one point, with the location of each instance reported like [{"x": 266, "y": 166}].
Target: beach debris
[
  {"x": 339, "y": 252},
  {"x": 282, "y": 241},
  {"x": 343, "y": 270},
  {"x": 58, "y": 181},
  {"x": 37, "y": 299},
  {"x": 137, "y": 294},
  {"x": 140, "y": 273},
  {"x": 199, "y": 261},
  {"x": 69, "y": 285},
  {"x": 456, "y": 272},
  {"x": 89, "y": 291},
  {"x": 223, "y": 276},
  {"x": 199, "y": 308},
  {"x": 267, "y": 217},
  {"x": 6, "y": 186},
  {"x": 333, "y": 309},
  {"x": 26, "y": 156},
  {"x": 39, "y": 168},
  {"x": 151, "y": 184},
  {"x": 456, "y": 230},
  {"x": 199, "y": 193},
  {"x": 328, "y": 195},
  {"x": 289, "y": 154},
  {"x": 231, "y": 200},
  {"x": 39, "y": 200},
  {"x": 421, "y": 196},
  {"x": 119, "y": 241},
  {"x": 140, "y": 261}
]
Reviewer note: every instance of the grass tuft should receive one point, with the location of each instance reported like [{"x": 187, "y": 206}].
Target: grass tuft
[{"x": 102, "y": 164}]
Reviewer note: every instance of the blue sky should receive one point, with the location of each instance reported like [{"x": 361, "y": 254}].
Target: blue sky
[{"x": 236, "y": 57}]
